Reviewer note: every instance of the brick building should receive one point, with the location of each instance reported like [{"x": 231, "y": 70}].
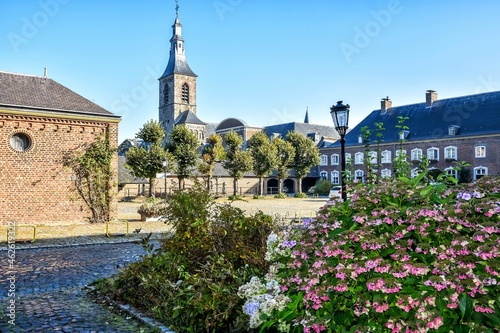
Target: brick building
[
  {"x": 446, "y": 131},
  {"x": 41, "y": 121}
]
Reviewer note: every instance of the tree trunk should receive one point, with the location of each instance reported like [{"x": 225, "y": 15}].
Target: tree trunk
[
  {"x": 180, "y": 182},
  {"x": 235, "y": 186},
  {"x": 209, "y": 181},
  {"x": 299, "y": 185},
  {"x": 261, "y": 182},
  {"x": 151, "y": 187},
  {"x": 280, "y": 185}
]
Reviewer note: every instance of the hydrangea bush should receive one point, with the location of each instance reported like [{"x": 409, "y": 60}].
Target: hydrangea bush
[{"x": 399, "y": 256}]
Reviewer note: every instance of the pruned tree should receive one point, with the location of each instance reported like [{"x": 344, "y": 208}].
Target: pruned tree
[
  {"x": 182, "y": 146},
  {"x": 94, "y": 177},
  {"x": 265, "y": 156},
  {"x": 237, "y": 161},
  {"x": 286, "y": 154},
  {"x": 306, "y": 156},
  {"x": 212, "y": 153},
  {"x": 147, "y": 161}
]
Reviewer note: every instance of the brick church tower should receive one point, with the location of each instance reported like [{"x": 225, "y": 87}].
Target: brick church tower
[{"x": 178, "y": 82}]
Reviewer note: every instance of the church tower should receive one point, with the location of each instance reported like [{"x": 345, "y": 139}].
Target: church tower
[{"x": 178, "y": 82}]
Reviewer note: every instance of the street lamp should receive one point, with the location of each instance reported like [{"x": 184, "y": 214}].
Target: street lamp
[
  {"x": 340, "y": 116},
  {"x": 165, "y": 165}
]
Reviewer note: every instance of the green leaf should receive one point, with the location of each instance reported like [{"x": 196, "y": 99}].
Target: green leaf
[{"x": 465, "y": 306}]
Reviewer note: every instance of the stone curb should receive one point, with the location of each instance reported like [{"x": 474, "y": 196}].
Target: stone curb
[
  {"x": 4, "y": 246},
  {"x": 135, "y": 313}
]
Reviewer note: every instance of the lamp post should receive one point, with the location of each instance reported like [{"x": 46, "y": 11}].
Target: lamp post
[
  {"x": 340, "y": 116},
  {"x": 165, "y": 165}
]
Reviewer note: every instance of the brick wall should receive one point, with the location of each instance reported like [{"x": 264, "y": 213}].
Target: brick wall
[{"x": 35, "y": 188}]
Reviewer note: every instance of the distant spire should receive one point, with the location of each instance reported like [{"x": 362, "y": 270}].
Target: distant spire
[
  {"x": 306, "y": 119},
  {"x": 177, "y": 62}
]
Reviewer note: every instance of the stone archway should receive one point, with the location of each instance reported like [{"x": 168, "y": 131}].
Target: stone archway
[
  {"x": 290, "y": 186},
  {"x": 272, "y": 186}
]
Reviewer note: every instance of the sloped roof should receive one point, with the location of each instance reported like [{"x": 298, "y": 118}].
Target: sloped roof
[
  {"x": 474, "y": 115},
  {"x": 43, "y": 93},
  {"x": 302, "y": 128},
  {"x": 188, "y": 117},
  {"x": 230, "y": 123}
]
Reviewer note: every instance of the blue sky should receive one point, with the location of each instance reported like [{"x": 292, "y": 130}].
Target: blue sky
[{"x": 260, "y": 61}]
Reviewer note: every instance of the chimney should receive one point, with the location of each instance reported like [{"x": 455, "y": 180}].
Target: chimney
[
  {"x": 385, "y": 104},
  {"x": 430, "y": 97},
  {"x": 45, "y": 72}
]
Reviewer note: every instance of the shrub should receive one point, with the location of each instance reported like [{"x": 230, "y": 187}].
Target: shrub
[
  {"x": 399, "y": 256},
  {"x": 280, "y": 196},
  {"x": 152, "y": 207},
  {"x": 191, "y": 282},
  {"x": 322, "y": 187},
  {"x": 235, "y": 197},
  {"x": 300, "y": 195}
]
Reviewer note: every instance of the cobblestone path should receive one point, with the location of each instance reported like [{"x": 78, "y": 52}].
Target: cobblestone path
[{"x": 49, "y": 295}]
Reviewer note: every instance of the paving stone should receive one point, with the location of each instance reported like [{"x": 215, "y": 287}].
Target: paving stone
[{"x": 49, "y": 296}]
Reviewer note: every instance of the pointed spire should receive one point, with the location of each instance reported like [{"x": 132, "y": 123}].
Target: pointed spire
[
  {"x": 306, "y": 119},
  {"x": 177, "y": 62}
]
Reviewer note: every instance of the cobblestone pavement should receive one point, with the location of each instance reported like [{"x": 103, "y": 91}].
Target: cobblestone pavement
[{"x": 49, "y": 295}]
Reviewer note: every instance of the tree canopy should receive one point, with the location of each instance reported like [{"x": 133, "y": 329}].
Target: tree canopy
[
  {"x": 182, "y": 146},
  {"x": 306, "y": 155},
  {"x": 237, "y": 161}
]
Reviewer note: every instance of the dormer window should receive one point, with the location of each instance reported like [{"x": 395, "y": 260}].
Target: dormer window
[
  {"x": 453, "y": 130},
  {"x": 185, "y": 93},
  {"x": 403, "y": 135}
]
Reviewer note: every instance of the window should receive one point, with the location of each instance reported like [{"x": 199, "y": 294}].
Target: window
[
  {"x": 334, "y": 159},
  {"x": 453, "y": 130},
  {"x": 323, "y": 175},
  {"x": 451, "y": 172},
  {"x": 401, "y": 153},
  {"x": 385, "y": 173},
  {"x": 358, "y": 175},
  {"x": 386, "y": 156},
  {"x": 373, "y": 157},
  {"x": 20, "y": 142},
  {"x": 480, "y": 171},
  {"x": 185, "y": 93},
  {"x": 415, "y": 172},
  {"x": 416, "y": 154},
  {"x": 433, "y": 154},
  {"x": 335, "y": 177},
  {"x": 450, "y": 153},
  {"x": 360, "y": 139},
  {"x": 165, "y": 95},
  {"x": 324, "y": 160},
  {"x": 403, "y": 135},
  {"x": 359, "y": 158},
  {"x": 348, "y": 158},
  {"x": 480, "y": 151}
]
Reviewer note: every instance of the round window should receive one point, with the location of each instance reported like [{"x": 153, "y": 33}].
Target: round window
[{"x": 20, "y": 142}]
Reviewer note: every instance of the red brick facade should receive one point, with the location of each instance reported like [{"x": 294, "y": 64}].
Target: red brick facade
[{"x": 35, "y": 188}]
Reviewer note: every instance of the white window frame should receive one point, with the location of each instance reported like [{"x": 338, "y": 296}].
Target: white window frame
[
  {"x": 335, "y": 159},
  {"x": 450, "y": 171},
  {"x": 359, "y": 158},
  {"x": 415, "y": 172},
  {"x": 480, "y": 171},
  {"x": 386, "y": 173},
  {"x": 450, "y": 153},
  {"x": 348, "y": 157},
  {"x": 403, "y": 151},
  {"x": 433, "y": 151},
  {"x": 323, "y": 174},
  {"x": 416, "y": 154},
  {"x": 480, "y": 151},
  {"x": 373, "y": 157},
  {"x": 386, "y": 156},
  {"x": 324, "y": 160},
  {"x": 335, "y": 177},
  {"x": 359, "y": 175}
]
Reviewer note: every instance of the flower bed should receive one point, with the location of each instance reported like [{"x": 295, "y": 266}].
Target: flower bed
[{"x": 400, "y": 256}]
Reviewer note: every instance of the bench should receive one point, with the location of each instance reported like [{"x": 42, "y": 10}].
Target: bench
[
  {"x": 109, "y": 234},
  {"x": 22, "y": 240}
]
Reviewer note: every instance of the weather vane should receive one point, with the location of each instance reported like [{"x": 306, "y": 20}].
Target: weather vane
[{"x": 177, "y": 8}]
